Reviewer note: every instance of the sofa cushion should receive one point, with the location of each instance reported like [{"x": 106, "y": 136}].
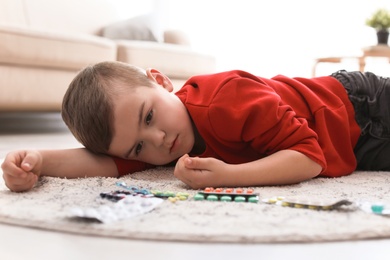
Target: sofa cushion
[
  {"x": 171, "y": 59},
  {"x": 29, "y": 47},
  {"x": 142, "y": 28}
]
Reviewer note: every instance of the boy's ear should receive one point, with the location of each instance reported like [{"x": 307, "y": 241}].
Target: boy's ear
[{"x": 160, "y": 79}]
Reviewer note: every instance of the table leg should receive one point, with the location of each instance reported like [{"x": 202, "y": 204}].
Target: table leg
[{"x": 362, "y": 63}]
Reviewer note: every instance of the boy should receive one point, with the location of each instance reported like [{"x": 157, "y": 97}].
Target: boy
[{"x": 227, "y": 129}]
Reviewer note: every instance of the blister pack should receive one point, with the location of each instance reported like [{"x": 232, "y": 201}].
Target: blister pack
[{"x": 128, "y": 207}]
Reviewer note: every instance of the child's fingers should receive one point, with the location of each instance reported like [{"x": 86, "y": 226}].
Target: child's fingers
[
  {"x": 17, "y": 178},
  {"x": 196, "y": 163},
  {"x": 13, "y": 170},
  {"x": 20, "y": 184},
  {"x": 29, "y": 162}
]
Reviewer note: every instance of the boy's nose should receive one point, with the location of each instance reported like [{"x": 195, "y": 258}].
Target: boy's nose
[{"x": 157, "y": 137}]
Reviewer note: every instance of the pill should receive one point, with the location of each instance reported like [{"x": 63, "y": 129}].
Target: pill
[
  {"x": 377, "y": 208},
  {"x": 170, "y": 194},
  {"x": 182, "y": 194},
  {"x": 239, "y": 199},
  {"x": 226, "y": 198},
  {"x": 212, "y": 197},
  {"x": 157, "y": 193},
  {"x": 181, "y": 197},
  {"x": 272, "y": 200},
  {"x": 253, "y": 199},
  {"x": 172, "y": 199},
  {"x": 199, "y": 197}
]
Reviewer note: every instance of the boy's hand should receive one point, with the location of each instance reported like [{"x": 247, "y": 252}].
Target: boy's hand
[
  {"x": 200, "y": 172},
  {"x": 21, "y": 169}
]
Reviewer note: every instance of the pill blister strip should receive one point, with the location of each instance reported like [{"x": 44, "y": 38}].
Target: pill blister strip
[
  {"x": 281, "y": 201},
  {"x": 170, "y": 195},
  {"x": 220, "y": 194}
]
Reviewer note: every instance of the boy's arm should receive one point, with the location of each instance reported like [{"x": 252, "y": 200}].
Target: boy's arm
[
  {"x": 280, "y": 168},
  {"x": 76, "y": 163},
  {"x": 21, "y": 169}
]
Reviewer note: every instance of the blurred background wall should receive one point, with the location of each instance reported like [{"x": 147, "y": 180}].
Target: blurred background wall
[{"x": 276, "y": 37}]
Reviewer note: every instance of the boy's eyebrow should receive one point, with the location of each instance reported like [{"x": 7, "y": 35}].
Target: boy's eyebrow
[{"x": 140, "y": 114}]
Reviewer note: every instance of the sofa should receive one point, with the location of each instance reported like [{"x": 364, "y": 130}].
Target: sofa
[{"x": 44, "y": 43}]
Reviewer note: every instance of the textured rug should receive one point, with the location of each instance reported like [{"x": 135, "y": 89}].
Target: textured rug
[{"x": 48, "y": 205}]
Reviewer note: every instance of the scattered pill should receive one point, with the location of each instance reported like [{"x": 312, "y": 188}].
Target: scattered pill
[{"x": 377, "y": 208}]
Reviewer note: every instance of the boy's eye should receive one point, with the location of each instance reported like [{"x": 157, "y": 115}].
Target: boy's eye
[
  {"x": 138, "y": 149},
  {"x": 139, "y": 146},
  {"x": 149, "y": 117}
]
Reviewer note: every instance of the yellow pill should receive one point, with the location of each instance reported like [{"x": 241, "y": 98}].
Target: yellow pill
[
  {"x": 172, "y": 199},
  {"x": 181, "y": 197},
  {"x": 182, "y": 194},
  {"x": 272, "y": 200}
]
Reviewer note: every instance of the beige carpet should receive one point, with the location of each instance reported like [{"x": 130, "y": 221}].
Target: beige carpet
[{"x": 49, "y": 204}]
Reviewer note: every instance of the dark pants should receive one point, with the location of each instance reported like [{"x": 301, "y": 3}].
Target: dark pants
[{"x": 370, "y": 96}]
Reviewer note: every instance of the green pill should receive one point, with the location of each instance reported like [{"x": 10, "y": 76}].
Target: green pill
[
  {"x": 226, "y": 198},
  {"x": 199, "y": 197},
  {"x": 253, "y": 199},
  {"x": 239, "y": 199},
  {"x": 170, "y": 194},
  {"x": 377, "y": 208},
  {"x": 157, "y": 193},
  {"x": 212, "y": 197}
]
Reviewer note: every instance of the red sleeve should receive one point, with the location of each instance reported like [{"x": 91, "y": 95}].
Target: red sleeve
[{"x": 130, "y": 166}]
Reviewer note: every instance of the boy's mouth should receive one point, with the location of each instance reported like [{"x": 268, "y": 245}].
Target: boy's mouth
[{"x": 174, "y": 145}]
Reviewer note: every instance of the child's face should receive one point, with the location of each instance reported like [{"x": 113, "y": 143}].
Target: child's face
[{"x": 151, "y": 125}]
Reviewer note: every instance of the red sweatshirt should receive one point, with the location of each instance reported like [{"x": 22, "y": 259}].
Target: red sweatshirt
[{"x": 242, "y": 118}]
